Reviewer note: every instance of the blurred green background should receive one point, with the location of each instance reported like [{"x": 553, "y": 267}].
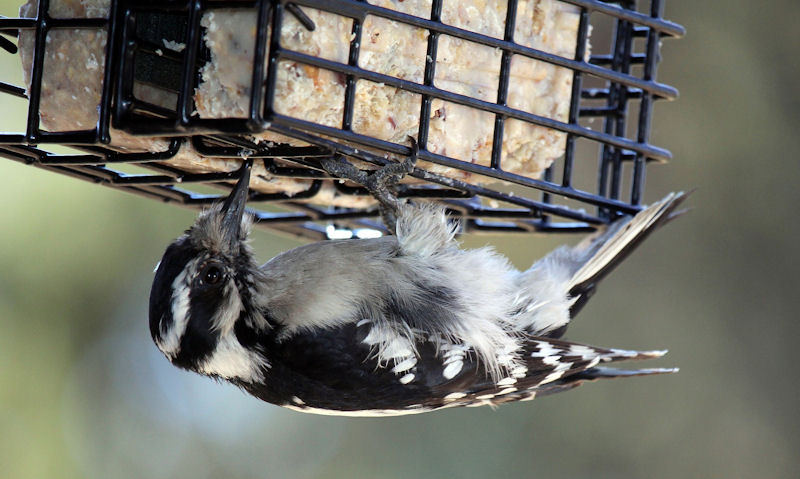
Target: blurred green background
[{"x": 84, "y": 393}]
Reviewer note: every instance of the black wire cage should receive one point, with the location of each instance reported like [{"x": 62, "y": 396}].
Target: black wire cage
[{"x": 601, "y": 173}]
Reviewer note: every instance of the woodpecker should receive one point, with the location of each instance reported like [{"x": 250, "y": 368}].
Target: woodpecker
[{"x": 400, "y": 324}]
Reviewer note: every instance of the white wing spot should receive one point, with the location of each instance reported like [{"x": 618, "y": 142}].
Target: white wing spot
[
  {"x": 297, "y": 400},
  {"x": 407, "y": 378},
  {"x": 584, "y": 352},
  {"x": 405, "y": 365},
  {"x": 552, "y": 360},
  {"x": 451, "y": 370},
  {"x": 545, "y": 349},
  {"x": 507, "y": 381},
  {"x": 391, "y": 347},
  {"x": 506, "y": 391},
  {"x": 452, "y": 358},
  {"x": 560, "y": 369},
  {"x": 454, "y": 396},
  {"x": 552, "y": 376},
  {"x": 519, "y": 372}
]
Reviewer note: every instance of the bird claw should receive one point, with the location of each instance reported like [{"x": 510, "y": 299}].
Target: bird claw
[{"x": 379, "y": 182}]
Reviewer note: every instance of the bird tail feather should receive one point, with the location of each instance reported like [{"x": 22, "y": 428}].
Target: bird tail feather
[
  {"x": 594, "y": 374},
  {"x": 605, "y": 250}
]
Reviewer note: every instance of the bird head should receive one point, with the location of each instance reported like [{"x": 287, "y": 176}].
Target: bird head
[{"x": 203, "y": 287}]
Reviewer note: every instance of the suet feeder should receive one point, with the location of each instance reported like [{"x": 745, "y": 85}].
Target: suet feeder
[{"x": 149, "y": 132}]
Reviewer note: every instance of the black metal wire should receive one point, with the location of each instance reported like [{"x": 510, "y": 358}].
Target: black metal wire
[{"x": 133, "y": 55}]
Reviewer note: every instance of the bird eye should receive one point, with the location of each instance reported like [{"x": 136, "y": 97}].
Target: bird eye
[{"x": 211, "y": 274}]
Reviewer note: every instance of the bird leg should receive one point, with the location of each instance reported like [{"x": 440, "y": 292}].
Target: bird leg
[{"x": 379, "y": 182}]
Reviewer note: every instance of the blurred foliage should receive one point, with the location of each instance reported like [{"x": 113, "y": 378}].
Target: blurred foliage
[{"x": 83, "y": 393}]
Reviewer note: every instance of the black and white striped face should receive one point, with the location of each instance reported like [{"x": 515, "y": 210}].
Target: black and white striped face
[{"x": 199, "y": 295}]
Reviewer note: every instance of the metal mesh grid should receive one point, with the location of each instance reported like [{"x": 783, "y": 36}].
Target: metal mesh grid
[{"x": 617, "y": 83}]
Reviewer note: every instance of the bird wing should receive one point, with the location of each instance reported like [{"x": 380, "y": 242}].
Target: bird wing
[
  {"x": 551, "y": 366},
  {"x": 336, "y": 371}
]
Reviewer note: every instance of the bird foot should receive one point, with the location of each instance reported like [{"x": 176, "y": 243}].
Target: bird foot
[{"x": 379, "y": 182}]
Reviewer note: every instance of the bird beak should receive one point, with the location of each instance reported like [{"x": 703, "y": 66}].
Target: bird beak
[{"x": 233, "y": 208}]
